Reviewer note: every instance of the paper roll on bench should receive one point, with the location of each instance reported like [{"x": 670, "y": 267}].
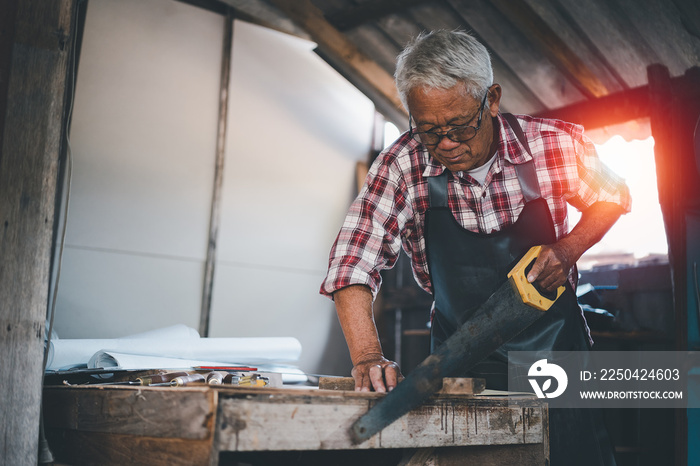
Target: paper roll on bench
[
  {"x": 64, "y": 354},
  {"x": 112, "y": 359}
]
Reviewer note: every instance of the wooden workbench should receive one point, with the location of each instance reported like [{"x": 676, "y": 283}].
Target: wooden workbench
[{"x": 121, "y": 425}]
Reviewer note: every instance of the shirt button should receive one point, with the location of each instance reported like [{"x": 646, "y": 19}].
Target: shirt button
[{"x": 483, "y": 194}]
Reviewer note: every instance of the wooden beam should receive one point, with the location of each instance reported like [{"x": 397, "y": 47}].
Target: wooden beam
[
  {"x": 605, "y": 111},
  {"x": 632, "y": 104},
  {"x": 526, "y": 19},
  {"x": 333, "y": 46},
  {"x": 32, "y": 106}
]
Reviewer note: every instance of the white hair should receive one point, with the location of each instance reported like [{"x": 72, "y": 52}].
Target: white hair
[{"x": 441, "y": 59}]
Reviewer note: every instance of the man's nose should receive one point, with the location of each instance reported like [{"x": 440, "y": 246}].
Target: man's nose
[{"x": 447, "y": 143}]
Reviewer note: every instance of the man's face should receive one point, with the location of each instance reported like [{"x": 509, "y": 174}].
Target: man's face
[{"x": 440, "y": 110}]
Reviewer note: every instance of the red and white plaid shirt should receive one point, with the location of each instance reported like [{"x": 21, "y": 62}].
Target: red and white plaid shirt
[{"x": 389, "y": 211}]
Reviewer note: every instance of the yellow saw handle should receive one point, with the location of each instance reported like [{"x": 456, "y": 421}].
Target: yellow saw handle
[{"x": 527, "y": 291}]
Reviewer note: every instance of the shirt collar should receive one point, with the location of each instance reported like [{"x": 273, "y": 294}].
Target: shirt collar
[
  {"x": 432, "y": 167},
  {"x": 509, "y": 147}
]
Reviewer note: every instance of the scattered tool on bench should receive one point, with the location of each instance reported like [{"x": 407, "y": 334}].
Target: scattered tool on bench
[
  {"x": 183, "y": 380},
  {"x": 150, "y": 379},
  {"x": 512, "y": 308}
]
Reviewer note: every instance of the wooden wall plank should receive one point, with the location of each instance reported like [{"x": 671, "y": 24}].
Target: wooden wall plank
[{"x": 32, "y": 109}]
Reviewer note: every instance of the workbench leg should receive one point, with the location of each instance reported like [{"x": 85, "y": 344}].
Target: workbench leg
[
  {"x": 419, "y": 457},
  {"x": 483, "y": 455}
]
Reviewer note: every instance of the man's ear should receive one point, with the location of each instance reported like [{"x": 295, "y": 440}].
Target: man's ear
[{"x": 494, "y": 99}]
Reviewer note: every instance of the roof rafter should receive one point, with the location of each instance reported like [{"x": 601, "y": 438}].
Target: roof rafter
[
  {"x": 520, "y": 14},
  {"x": 358, "y": 15},
  {"x": 362, "y": 71}
]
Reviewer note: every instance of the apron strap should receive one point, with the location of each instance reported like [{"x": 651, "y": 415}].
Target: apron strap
[
  {"x": 526, "y": 174},
  {"x": 526, "y": 171},
  {"x": 437, "y": 190}
]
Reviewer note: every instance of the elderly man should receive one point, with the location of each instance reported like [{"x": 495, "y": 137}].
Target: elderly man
[{"x": 466, "y": 192}]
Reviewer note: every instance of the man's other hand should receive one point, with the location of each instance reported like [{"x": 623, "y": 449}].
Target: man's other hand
[{"x": 376, "y": 372}]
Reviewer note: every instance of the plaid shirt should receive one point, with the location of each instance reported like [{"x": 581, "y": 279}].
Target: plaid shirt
[{"x": 389, "y": 211}]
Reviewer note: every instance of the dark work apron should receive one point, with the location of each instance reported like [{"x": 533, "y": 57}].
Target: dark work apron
[{"x": 466, "y": 268}]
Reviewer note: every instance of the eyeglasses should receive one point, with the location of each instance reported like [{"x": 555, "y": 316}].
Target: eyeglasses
[{"x": 461, "y": 133}]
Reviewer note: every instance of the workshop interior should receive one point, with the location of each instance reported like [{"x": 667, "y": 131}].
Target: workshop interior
[{"x": 173, "y": 175}]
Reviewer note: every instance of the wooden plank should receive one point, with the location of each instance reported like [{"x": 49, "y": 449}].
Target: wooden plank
[
  {"x": 159, "y": 412},
  {"x": 317, "y": 421},
  {"x": 450, "y": 385},
  {"x": 34, "y": 58},
  {"x": 462, "y": 386}
]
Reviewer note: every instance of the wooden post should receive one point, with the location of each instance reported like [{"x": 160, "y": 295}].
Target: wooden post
[
  {"x": 675, "y": 108},
  {"x": 34, "y": 58},
  {"x": 214, "y": 216}
]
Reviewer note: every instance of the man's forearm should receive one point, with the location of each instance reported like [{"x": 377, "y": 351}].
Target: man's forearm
[
  {"x": 593, "y": 225},
  {"x": 354, "y": 307},
  {"x": 371, "y": 370}
]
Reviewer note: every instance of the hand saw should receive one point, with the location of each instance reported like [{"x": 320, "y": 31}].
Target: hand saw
[{"x": 513, "y": 307}]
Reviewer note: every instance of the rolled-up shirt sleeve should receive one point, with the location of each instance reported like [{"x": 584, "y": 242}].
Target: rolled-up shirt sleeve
[
  {"x": 369, "y": 240},
  {"x": 596, "y": 182}
]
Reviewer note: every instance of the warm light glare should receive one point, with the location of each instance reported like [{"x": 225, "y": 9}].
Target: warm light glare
[{"x": 641, "y": 232}]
